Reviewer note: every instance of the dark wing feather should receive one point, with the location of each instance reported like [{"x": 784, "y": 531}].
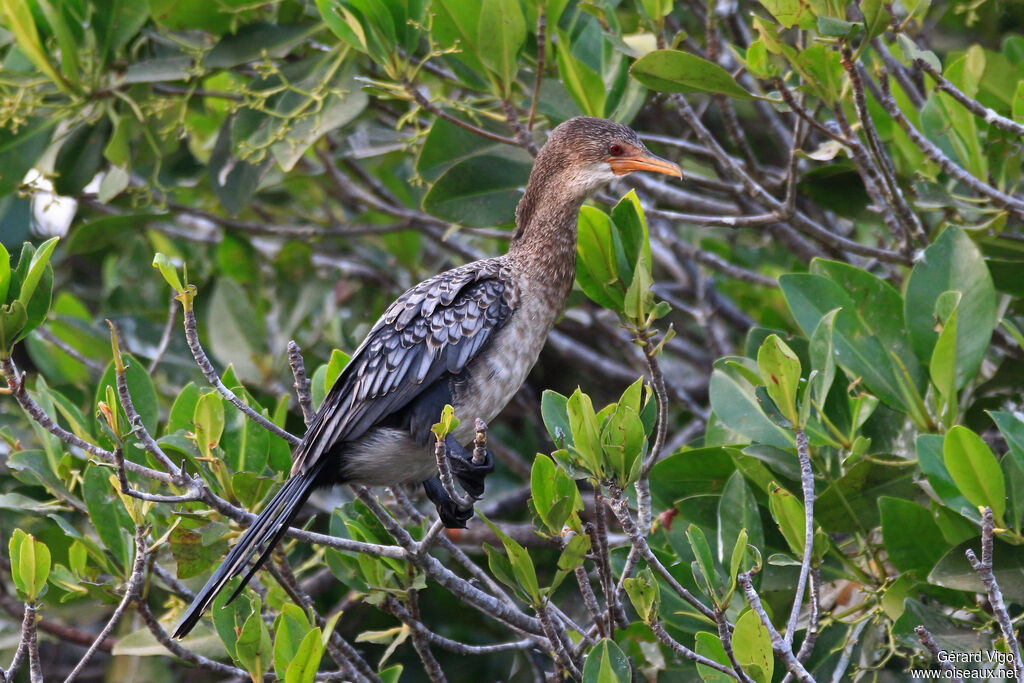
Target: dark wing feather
[{"x": 436, "y": 327}]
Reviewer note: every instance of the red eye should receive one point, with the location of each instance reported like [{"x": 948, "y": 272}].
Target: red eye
[{"x": 615, "y": 150}]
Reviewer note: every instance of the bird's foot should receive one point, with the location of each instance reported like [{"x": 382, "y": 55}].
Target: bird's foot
[
  {"x": 471, "y": 475},
  {"x": 452, "y": 515}
]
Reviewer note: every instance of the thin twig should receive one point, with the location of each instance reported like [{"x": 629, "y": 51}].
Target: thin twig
[
  {"x": 165, "y": 337},
  {"x": 779, "y": 646},
  {"x": 444, "y": 473},
  {"x": 301, "y": 382},
  {"x": 932, "y": 151},
  {"x": 131, "y": 593},
  {"x": 754, "y": 189},
  {"x": 422, "y": 644},
  {"x": 989, "y": 116},
  {"x": 685, "y": 652},
  {"x": 50, "y": 337},
  {"x": 175, "y": 648},
  {"x": 995, "y": 595},
  {"x": 559, "y": 652},
  {"x": 429, "y": 106},
  {"x": 35, "y": 665},
  {"x": 807, "y": 483},
  {"x": 725, "y": 636},
  {"x": 925, "y": 636},
  {"x": 620, "y": 507},
  {"x": 192, "y": 336},
  {"x": 455, "y": 646}
]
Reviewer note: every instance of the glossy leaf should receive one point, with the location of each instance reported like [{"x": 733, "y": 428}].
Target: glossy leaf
[
  {"x": 676, "y": 71},
  {"x": 501, "y": 32},
  {"x": 912, "y": 539},
  {"x": 975, "y": 470},
  {"x": 480, "y": 191},
  {"x": 952, "y": 263},
  {"x": 752, "y": 646},
  {"x": 607, "y": 663}
]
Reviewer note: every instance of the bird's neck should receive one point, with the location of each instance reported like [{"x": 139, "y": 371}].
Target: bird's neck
[{"x": 544, "y": 244}]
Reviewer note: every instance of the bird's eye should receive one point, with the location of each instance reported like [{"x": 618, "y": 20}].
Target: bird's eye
[{"x": 615, "y": 150}]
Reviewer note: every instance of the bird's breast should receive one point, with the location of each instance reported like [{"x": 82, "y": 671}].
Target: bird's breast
[{"x": 496, "y": 374}]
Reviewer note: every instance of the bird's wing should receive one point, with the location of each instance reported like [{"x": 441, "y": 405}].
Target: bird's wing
[{"x": 436, "y": 327}]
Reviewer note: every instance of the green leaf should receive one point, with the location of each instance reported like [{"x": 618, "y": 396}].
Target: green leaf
[
  {"x": 447, "y": 424},
  {"x": 953, "y": 570},
  {"x": 597, "y": 270},
  {"x": 480, "y": 191},
  {"x": 456, "y": 23},
  {"x": 574, "y": 553},
  {"x": 752, "y": 646},
  {"x": 704, "y": 566},
  {"x": 943, "y": 362},
  {"x": 709, "y": 645},
  {"x": 209, "y": 421},
  {"x": 30, "y": 564},
  {"x": 110, "y": 520},
  {"x": 555, "y": 495},
  {"x": 192, "y": 554},
  {"x": 501, "y": 32},
  {"x": 20, "y": 22},
  {"x": 36, "y": 268},
  {"x": 253, "y": 648},
  {"x": 734, "y": 401},
  {"x": 5, "y": 273},
  {"x": 868, "y": 335},
  {"x": 788, "y": 513},
  {"x": 339, "y": 359},
  {"x": 80, "y": 158},
  {"x": 636, "y": 304},
  {"x": 304, "y": 664},
  {"x": 876, "y": 17},
  {"x": 607, "y": 663},
  {"x": 975, "y": 470},
  {"x": 520, "y": 563},
  {"x": 235, "y": 330},
  {"x": 290, "y": 628},
  {"x": 791, "y": 13},
  {"x": 737, "y": 513},
  {"x": 676, "y": 71},
  {"x": 952, "y": 263},
  {"x": 780, "y": 371},
  {"x": 13, "y": 319},
  {"x": 911, "y": 536},
  {"x": 168, "y": 271},
  {"x": 645, "y": 594},
  {"x": 555, "y": 413},
  {"x": 1012, "y": 428},
  {"x": 585, "y": 433},
  {"x": 584, "y": 85}
]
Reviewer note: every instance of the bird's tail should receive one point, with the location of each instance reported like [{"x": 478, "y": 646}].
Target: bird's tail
[{"x": 261, "y": 537}]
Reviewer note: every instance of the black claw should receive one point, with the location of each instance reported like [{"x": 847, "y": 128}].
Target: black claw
[
  {"x": 452, "y": 516},
  {"x": 470, "y": 475}
]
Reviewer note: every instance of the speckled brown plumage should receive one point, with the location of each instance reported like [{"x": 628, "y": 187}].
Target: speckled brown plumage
[{"x": 467, "y": 337}]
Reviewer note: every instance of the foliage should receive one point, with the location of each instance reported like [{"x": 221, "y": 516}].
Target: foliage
[{"x": 827, "y": 312}]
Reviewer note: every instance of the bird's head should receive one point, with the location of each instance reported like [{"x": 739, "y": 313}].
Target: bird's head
[{"x": 591, "y": 152}]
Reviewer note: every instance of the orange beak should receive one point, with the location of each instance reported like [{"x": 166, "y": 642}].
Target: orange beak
[{"x": 644, "y": 161}]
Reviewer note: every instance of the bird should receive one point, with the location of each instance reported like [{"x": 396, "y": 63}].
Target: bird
[{"x": 467, "y": 337}]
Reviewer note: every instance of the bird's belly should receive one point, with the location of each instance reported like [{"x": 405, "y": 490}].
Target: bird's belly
[
  {"x": 385, "y": 457},
  {"x": 496, "y": 374}
]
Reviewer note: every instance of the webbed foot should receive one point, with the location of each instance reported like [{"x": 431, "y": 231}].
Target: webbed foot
[{"x": 452, "y": 516}]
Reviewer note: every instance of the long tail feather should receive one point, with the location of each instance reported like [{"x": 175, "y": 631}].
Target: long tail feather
[{"x": 261, "y": 537}]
